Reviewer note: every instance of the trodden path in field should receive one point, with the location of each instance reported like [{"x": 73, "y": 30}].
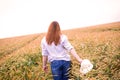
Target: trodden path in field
[{"x": 28, "y": 47}]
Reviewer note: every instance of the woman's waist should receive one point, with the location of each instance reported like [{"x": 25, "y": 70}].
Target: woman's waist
[{"x": 66, "y": 58}]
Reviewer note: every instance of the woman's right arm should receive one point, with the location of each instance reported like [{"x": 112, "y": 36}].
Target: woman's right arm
[
  {"x": 70, "y": 48},
  {"x": 73, "y": 52}
]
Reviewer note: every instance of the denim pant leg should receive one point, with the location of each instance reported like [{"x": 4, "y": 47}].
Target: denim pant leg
[
  {"x": 56, "y": 68},
  {"x": 60, "y": 69},
  {"x": 66, "y": 70}
]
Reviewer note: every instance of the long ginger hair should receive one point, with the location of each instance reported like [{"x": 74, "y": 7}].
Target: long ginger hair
[{"x": 53, "y": 34}]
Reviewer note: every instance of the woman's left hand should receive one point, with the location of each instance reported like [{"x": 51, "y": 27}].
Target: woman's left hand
[{"x": 45, "y": 68}]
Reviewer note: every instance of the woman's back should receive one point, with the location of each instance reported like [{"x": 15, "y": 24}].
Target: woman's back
[{"x": 58, "y": 52}]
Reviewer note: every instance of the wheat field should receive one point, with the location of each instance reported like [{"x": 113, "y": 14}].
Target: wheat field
[{"x": 20, "y": 57}]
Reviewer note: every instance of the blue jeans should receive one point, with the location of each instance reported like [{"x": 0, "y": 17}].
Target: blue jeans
[{"x": 60, "y": 69}]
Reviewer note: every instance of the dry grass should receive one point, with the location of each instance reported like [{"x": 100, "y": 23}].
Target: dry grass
[{"x": 20, "y": 57}]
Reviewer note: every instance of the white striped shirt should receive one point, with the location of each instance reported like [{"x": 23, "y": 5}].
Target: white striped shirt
[{"x": 59, "y": 52}]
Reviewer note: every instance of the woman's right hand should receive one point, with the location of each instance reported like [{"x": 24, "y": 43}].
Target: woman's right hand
[{"x": 80, "y": 61}]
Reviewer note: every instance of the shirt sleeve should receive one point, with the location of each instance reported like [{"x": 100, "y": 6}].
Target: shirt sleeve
[
  {"x": 67, "y": 44},
  {"x": 44, "y": 49}
]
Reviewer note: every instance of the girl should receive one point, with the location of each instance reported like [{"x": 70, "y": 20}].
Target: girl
[{"x": 56, "y": 49}]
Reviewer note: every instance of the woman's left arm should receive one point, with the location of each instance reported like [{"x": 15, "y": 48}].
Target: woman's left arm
[{"x": 45, "y": 59}]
